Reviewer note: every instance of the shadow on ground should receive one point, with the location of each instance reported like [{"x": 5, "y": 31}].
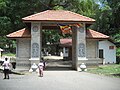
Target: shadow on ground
[
  {"x": 116, "y": 75},
  {"x": 57, "y": 68},
  {"x": 58, "y": 65},
  {"x": 13, "y": 72}
]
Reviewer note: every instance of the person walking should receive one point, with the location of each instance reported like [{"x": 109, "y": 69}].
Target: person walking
[
  {"x": 13, "y": 62},
  {"x": 6, "y": 70},
  {"x": 40, "y": 67}
]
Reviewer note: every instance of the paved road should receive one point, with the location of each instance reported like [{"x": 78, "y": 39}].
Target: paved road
[{"x": 59, "y": 80}]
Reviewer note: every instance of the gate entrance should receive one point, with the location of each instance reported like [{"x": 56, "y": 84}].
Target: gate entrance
[{"x": 48, "y": 20}]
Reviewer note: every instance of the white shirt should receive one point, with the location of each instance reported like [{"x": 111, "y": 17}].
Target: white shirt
[{"x": 6, "y": 65}]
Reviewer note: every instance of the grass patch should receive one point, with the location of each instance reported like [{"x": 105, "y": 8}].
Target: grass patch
[
  {"x": 109, "y": 70},
  {"x": 9, "y": 54}
]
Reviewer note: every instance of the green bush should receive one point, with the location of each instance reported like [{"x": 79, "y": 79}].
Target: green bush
[
  {"x": 118, "y": 51},
  {"x": 118, "y": 59}
]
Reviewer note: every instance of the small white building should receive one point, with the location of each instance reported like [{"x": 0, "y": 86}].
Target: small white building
[{"x": 107, "y": 51}]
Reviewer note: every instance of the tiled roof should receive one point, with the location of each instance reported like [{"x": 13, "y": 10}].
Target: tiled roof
[
  {"x": 90, "y": 34},
  {"x": 66, "y": 41},
  {"x": 59, "y": 16},
  {"x": 23, "y": 33},
  {"x": 95, "y": 35}
]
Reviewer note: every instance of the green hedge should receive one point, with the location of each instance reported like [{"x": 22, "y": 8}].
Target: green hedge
[{"x": 118, "y": 59}]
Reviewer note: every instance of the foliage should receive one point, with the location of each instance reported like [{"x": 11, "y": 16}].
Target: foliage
[
  {"x": 115, "y": 7},
  {"x": 7, "y": 44},
  {"x": 51, "y": 36},
  {"x": 118, "y": 52},
  {"x": 116, "y": 37}
]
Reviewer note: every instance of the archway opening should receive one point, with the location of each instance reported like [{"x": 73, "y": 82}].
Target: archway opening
[{"x": 52, "y": 50}]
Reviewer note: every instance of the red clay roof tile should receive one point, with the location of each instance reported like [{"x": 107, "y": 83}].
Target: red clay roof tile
[
  {"x": 90, "y": 34},
  {"x": 23, "y": 33},
  {"x": 96, "y": 35},
  {"x": 66, "y": 41},
  {"x": 58, "y": 15}
]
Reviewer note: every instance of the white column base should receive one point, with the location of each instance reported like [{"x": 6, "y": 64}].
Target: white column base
[
  {"x": 80, "y": 61},
  {"x": 82, "y": 58},
  {"x": 34, "y": 61},
  {"x": 80, "y": 70}
]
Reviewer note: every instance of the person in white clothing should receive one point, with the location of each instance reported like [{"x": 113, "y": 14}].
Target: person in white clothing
[
  {"x": 40, "y": 66},
  {"x": 6, "y": 66}
]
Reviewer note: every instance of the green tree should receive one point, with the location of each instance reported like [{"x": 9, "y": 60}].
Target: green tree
[
  {"x": 114, "y": 23},
  {"x": 108, "y": 16},
  {"x": 11, "y": 12}
]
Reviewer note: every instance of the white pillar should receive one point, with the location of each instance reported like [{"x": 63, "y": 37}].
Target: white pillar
[
  {"x": 79, "y": 46},
  {"x": 81, "y": 43},
  {"x": 35, "y": 43}
]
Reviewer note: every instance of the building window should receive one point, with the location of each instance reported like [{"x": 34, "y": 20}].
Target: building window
[
  {"x": 66, "y": 50},
  {"x": 101, "y": 53},
  {"x": 111, "y": 47}
]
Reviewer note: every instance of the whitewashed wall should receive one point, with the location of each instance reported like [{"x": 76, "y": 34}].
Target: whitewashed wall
[
  {"x": 109, "y": 54},
  {"x": 23, "y": 53},
  {"x": 92, "y": 48},
  {"x": 23, "y": 48}
]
